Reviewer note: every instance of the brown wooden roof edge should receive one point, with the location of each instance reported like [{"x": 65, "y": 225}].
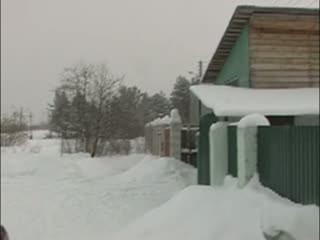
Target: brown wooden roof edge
[{"x": 244, "y": 12}]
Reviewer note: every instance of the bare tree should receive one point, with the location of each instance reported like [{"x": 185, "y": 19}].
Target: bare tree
[
  {"x": 89, "y": 89},
  {"x": 13, "y": 128},
  {"x": 104, "y": 86},
  {"x": 76, "y": 82}
]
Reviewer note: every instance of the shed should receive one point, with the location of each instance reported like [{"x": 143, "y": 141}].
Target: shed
[{"x": 265, "y": 47}]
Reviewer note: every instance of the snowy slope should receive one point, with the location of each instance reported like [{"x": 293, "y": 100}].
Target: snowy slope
[
  {"x": 46, "y": 197},
  {"x": 226, "y": 213}
]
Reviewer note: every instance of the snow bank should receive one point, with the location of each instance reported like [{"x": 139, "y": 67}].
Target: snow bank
[
  {"x": 46, "y": 196},
  {"x": 105, "y": 166},
  {"x": 226, "y": 213},
  {"x": 29, "y": 158},
  {"x": 236, "y": 101},
  {"x": 152, "y": 168}
]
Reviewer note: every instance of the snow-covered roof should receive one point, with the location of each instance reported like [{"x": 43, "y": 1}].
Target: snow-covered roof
[
  {"x": 236, "y": 101},
  {"x": 161, "y": 121}
]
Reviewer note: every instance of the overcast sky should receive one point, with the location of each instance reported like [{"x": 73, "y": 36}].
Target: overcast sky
[{"x": 150, "y": 41}]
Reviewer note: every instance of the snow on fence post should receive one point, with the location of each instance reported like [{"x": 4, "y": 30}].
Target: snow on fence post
[
  {"x": 155, "y": 136},
  {"x": 247, "y": 146},
  {"x": 218, "y": 150},
  {"x": 162, "y": 124},
  {"x": 175, "y": 134}
]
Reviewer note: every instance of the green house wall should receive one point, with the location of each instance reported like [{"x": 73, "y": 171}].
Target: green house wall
[{"x": 236, "y": 68}]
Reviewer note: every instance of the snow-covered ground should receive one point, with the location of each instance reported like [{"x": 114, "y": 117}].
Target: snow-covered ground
[
  {"x": 136, "y": 197},
  {"x": 48, "y": 197},
  {"x": 226, "y": 213}
]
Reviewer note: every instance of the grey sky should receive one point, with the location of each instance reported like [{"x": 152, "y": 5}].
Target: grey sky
[{"x": 151, "y": 41}]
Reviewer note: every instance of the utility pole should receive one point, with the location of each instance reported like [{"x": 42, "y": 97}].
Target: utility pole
[
  {"x": 197, "y": 76},
  {"x": 30, "y": 125},
  {"x": 200, "y": 69}
]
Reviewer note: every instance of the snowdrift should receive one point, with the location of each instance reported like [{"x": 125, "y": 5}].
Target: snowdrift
[
  {"x": 151, "y": 169},
  {"x": 46, "y": 196},
  {"x": 226, "y": 213}
]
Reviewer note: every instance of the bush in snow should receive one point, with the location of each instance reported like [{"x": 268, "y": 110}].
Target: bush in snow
[
  {"x": 13, "y": 129},
  {"x": 13, "y": 139}
]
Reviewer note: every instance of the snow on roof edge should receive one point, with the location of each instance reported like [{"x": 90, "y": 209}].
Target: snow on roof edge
[{"x": 237, "y": 101}]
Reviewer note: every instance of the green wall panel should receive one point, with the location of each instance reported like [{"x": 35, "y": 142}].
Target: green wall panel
[
  {"x": 232, "y": 151},
  {"x": 236, "y": 68},
  {"x": 203, "y": 158},
  {"x": 288, "y": 161}
]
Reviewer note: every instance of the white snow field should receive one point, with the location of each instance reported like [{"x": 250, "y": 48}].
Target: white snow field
[
  {"x": 136, "y": 197},
  {"x": 48, "y": 197}
]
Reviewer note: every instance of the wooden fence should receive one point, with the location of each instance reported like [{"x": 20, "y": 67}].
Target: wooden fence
[
  {"x": 161, "y": 141},
  {"x": 189, "y": 144}
]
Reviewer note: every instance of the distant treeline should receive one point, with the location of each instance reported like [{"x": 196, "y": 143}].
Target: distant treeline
[{"x": 91, "y": 104}]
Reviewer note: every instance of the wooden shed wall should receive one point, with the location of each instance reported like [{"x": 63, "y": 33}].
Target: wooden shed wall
[{"x": 284, "y": 51}]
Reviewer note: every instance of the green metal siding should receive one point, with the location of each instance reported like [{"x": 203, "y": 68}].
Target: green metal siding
[
  {"x": 194, "y": 109},
  {"x": 232, "y": 151},
  {"x": 236, "y": 68},
  {"x": 288, "y": 161},
  {"x": 203, "y": 110},
  {"x": 203, "y": 158}
]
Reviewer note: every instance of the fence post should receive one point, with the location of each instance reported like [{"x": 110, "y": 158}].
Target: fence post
[
  {"x": 148, "y": 138},
  {"x": 247, "y": 145},
  {"x": 158, "y": 140},
  {"x": 175, "y": 134},
  {"x": 247, "y": 154},
  {"x": 218, "y": 152},
  {"x": 155, "y": 140},
  {"x": 162, "y": 140}
]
